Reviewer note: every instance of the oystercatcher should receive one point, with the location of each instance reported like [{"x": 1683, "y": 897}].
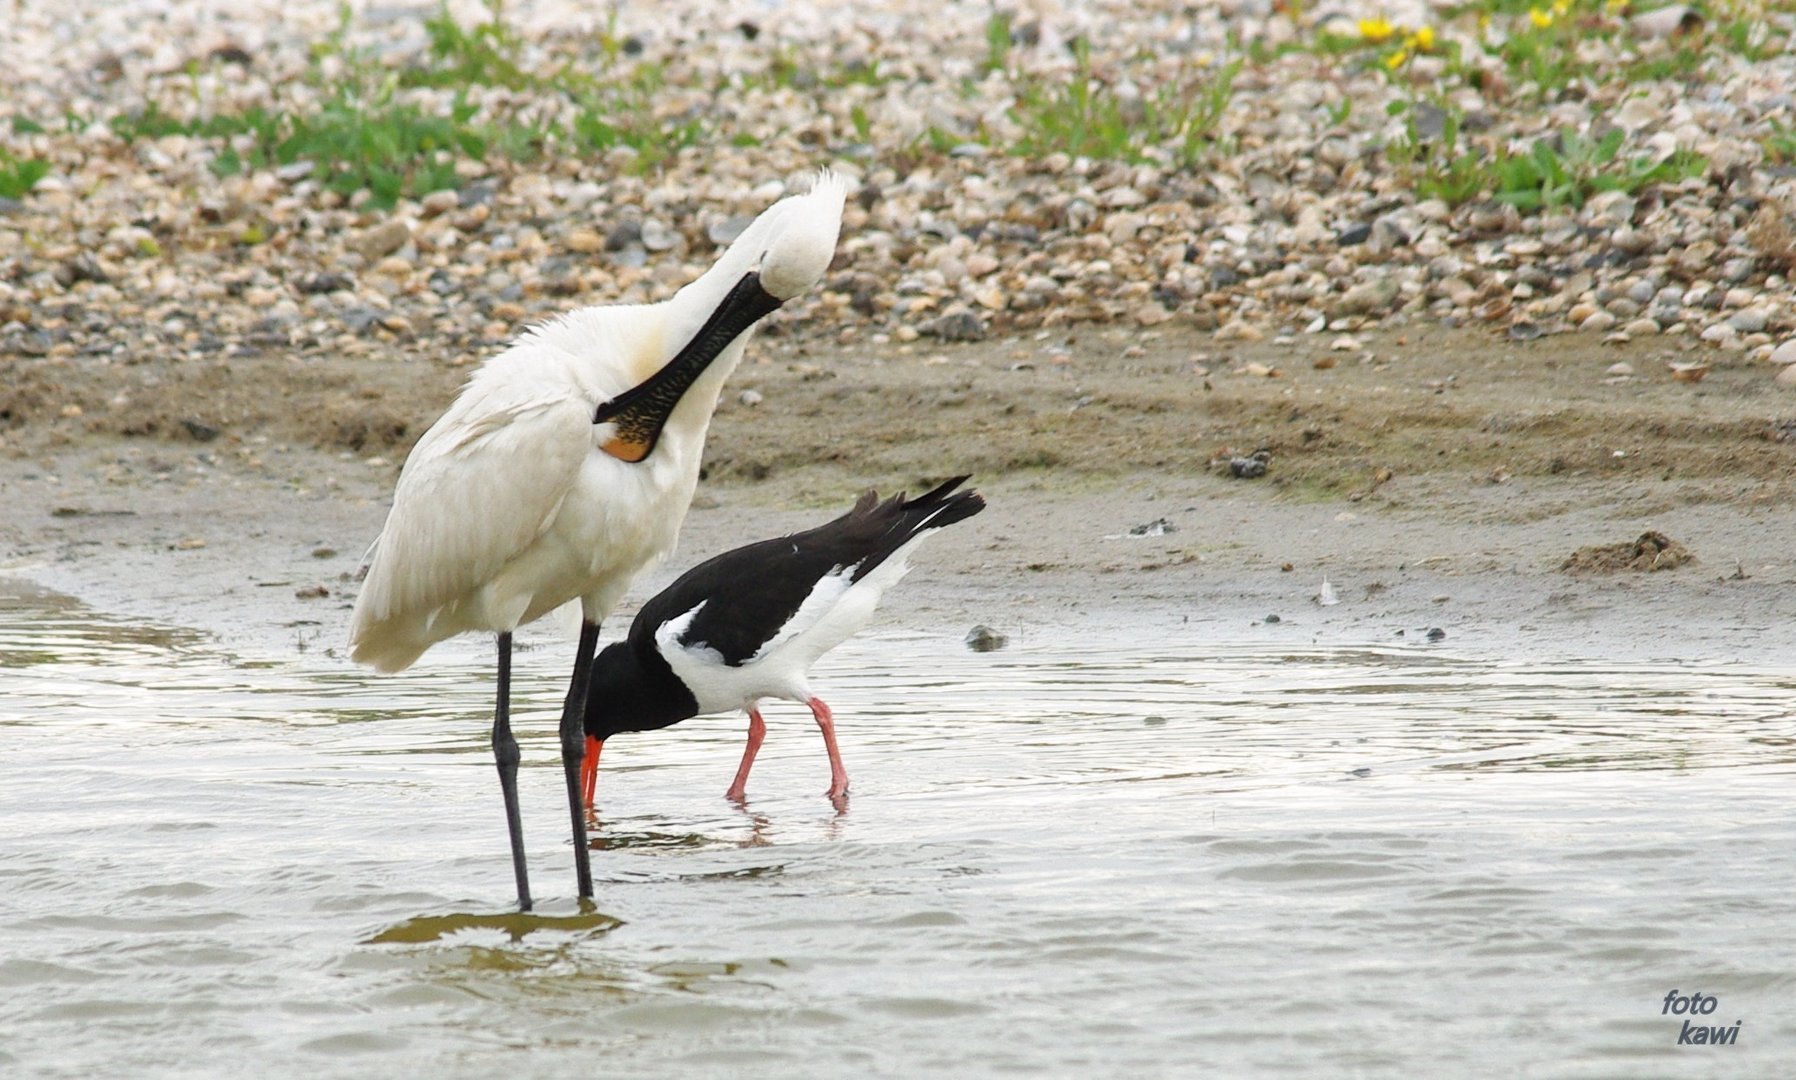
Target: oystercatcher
[
  {"x": 566, "y": 466},
  {"x": 747, "y": 625}
]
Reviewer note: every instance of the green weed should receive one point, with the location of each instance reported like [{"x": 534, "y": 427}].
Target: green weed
[
  {"x": 1681, "y": 62},
  {"x": 594, "y": 131},
  {"x": 1197, "y": 122},
  {"x": 1780, "y": 145},
  {"x": 786, "y": 71},
  {"x": 1086, "y": 117},
  {"x": 857, "y": 73},
  {"x": 1545, "y": 56},
  {"x": 392, "y": 149},
  {"x": 1440, "y": 168},
  {"x": 1073, "y": 116},
  {"x": 782, "y": 68},
  {"x": 355, "y": 140},
  {"x": 366, "y": 134},
  {"x": 623, "y": 116},
  {"x": 1753, "y": 39},
  {"x": 486, "y": 55},
  {"x": 942, "y": 142},
  {"x": 19, "y": 175},
  {"x": 997, "y": 42},
  {"x": 1569, "y": 169}
]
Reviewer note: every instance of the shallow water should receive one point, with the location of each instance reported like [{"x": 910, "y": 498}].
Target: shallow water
[{"x": 1150, "y": 856}]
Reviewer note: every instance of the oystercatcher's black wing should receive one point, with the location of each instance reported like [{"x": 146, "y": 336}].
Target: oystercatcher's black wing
[{"x": 750, "y": 593}]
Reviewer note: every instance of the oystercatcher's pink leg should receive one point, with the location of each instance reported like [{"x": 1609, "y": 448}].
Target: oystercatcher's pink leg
[
  {"x": 589, "y": 770},
  {"x": 838, "y": 776},
  {"x": 757, "y": 730}
]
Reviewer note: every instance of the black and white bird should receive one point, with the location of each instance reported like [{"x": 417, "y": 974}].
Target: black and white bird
[
  {"x": 565, "y": 468},
  {"x": 747, "y": 626}
]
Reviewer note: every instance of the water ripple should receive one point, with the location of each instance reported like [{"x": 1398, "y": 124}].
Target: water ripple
[{"x": 1151, "y": 856}]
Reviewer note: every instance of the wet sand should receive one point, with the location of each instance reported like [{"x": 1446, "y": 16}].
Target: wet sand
[{"x": 1503, "y": 460}]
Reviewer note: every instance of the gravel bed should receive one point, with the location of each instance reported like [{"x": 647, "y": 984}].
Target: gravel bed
[{"x": 1292, "y": 214}]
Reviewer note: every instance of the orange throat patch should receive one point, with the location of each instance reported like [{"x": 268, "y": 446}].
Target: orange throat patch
[{"x": 626, "y": 449}]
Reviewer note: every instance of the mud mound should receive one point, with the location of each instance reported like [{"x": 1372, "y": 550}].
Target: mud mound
[{"x": 1652, "y": 551}]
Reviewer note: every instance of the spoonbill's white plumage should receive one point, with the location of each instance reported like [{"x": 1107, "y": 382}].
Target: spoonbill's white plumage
[{"x": 566, "y": 466}]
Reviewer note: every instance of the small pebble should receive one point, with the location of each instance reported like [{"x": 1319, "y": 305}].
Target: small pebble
[
  {"x": 1749, "y": 320},
  {"x": 439, "y": 202},
  {"x": 383, "y": 240},
  {"x": 1239, "y": 331},
  {"x": 983, "y": 638},
  {"x": 1249, "y": 468},
  {"x": 1370, "y": 298},
  {"x": 657, "y": 236},
  {"x": 584, "y": 242},
  {"x": 723, "y": 233}
]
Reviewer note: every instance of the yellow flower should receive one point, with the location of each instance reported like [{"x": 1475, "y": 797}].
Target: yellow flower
[
  {"x": 1540, "y": 19},
  {"x": 1376, "y": 30},
  {"x": 1560, "y": 7},
  {"x": 1395, "y": 60},
  {"x": 1422, "y": 40}
]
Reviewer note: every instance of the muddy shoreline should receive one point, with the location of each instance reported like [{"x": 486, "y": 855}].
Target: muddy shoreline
[{"x": 1493, "y": 479}]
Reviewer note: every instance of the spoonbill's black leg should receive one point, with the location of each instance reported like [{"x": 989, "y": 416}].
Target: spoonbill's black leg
[
  {"x": 505, "y": 755},
  {"x": 573, "y": 748}
]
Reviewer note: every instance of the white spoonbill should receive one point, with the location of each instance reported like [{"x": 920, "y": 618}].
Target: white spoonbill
[{"x": 565, "y": 467}]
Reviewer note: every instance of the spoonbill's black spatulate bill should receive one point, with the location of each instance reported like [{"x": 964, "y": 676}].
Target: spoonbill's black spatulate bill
[
  {"x": 748, "y": 624},
  {"x": 566, "y": 466}
]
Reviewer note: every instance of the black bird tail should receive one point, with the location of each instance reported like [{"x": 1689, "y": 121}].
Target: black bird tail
[
  {"x": 940, "y": 506},
  {"x": 902, "y": 520}
]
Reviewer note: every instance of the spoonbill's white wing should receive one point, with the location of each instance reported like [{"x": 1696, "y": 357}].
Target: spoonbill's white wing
[{"x": 482, "y": 485}]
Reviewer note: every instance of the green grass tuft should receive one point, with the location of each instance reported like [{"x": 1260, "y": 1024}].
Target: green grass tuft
[
  {"x": 1571, "y": 168},
  {"x": 1088, "y": 117},
  {"x": 997, "y": 42},
  {"x": 19, "y": 175},
  {"x": 1565, "y": 170},
  {"x": 486, "y": 55},
  {"x": 1440, "y": 168},
  {"x": 1780, "y": 145}
]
